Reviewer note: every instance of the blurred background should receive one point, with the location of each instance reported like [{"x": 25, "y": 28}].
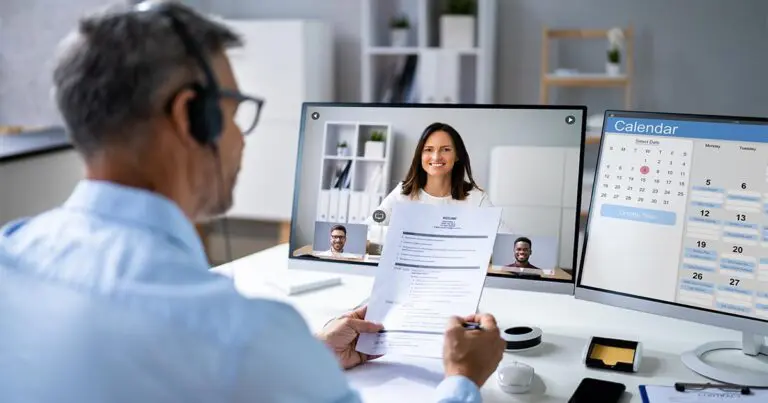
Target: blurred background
[{"x": 697, "y": 56}]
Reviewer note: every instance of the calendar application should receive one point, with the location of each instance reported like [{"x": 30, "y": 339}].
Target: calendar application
[{"x": 680, "y": 213}]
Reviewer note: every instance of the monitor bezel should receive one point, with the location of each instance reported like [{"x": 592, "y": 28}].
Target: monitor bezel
[
  {"x": 651, "y": 305},
  {"x": 492, "y": 279}
]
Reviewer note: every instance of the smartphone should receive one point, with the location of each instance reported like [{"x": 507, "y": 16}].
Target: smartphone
[{"x": 593, "y": 390}]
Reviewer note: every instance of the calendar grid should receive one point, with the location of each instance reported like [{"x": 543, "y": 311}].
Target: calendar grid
[
  {"x": 726, "y": 232},
  {"x": 685, "y": 204}
]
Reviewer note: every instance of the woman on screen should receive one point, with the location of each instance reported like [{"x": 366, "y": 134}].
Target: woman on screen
[{"x": 440, "y": 173}]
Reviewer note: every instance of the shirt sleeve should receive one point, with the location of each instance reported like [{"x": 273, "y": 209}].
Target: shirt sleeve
[
  {"x": 457, "y": 389},
  {"x": 283, "y": 362}
]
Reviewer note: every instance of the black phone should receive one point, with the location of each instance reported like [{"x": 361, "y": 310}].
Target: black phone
[{"x": 593, "y": 390}]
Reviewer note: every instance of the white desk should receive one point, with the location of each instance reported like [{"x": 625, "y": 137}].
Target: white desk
[{"x": 567, "y": 324}]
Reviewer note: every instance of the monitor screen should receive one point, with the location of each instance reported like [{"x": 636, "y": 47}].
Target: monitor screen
[
  {"x": 356, "y": 161},
  {"x": 678, "y": 213}
]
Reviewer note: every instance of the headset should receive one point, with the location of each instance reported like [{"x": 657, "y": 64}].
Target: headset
[
  {"x": 205, "y": 115},
  {"x": 204, "y": 112}
]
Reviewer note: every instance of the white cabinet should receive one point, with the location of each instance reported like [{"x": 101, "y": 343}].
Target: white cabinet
[
  {"x": 264, "y": 189},
  {"x": 286, "y": 62}
]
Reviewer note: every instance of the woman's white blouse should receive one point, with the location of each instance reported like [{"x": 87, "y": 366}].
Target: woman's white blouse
[{"x": 476, "y": 197}]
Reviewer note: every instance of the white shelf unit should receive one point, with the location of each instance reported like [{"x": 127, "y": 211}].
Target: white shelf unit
[
  {"x": 444, "y": 73},
  {"x": 351, "y": 197}
]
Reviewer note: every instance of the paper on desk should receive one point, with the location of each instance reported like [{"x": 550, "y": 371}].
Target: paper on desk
[
  {"x": 668, "y": 394},
  {"x": 433, "y": 266},
  {"x": 388, "y": 379}
]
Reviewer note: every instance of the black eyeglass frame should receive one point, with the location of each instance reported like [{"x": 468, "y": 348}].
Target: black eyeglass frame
[
  {"x": 240, "y": 98},
  {"x": 211, "y": 85}
]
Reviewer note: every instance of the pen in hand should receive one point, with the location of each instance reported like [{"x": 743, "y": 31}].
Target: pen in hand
[{"x": 472, "y": 326}]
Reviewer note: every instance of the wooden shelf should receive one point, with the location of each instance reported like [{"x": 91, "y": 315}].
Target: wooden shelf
[
  {"x": 586, "y": 80},
  {"x": 597, "y": 80}
]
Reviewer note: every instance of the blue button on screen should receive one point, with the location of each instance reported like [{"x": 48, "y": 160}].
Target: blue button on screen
[{"x": 638, "y": 214}]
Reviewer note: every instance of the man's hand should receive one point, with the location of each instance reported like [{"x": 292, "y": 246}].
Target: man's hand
[
  {"x": 341, "y": 336},
  {"x": 473, "y": 353}
]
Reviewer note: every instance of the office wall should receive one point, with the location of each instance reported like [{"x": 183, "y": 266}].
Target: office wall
[
  {"x": 692, "y": 55},
  {"x": 30, "y": 30},
  {"x": 703, "y": 56},
  {"x": 481, "y": 130}
]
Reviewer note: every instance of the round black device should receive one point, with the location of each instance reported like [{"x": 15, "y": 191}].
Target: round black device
[{"x": 521, "y": 338}]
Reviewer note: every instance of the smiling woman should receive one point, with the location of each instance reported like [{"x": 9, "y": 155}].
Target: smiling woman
[{"x": 440, "y": 173}]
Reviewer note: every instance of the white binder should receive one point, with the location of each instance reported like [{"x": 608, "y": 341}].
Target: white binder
[
  {"x": 323, "y": 200},
  {"x": 333, "y": 205},
  {"x": 343, "y": 205}
]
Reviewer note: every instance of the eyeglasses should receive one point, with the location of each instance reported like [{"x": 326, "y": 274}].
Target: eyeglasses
[{"x": 248, "y": 109}]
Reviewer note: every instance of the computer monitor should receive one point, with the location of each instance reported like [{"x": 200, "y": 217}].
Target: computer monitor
[
  {"x": 678, "y": 226},
  {"x": 354, "y": 162}
]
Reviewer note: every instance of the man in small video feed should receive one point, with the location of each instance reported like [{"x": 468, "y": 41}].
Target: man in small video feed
[
  {"x": 338, "y": 241},
  {"x": 523, "y": 250}
]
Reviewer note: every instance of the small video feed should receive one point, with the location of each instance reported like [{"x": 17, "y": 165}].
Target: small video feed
[
  {"x": 339, "y": 240},
  {"x": 358, "y": 161},
  {"x": 525, "y": 256}
]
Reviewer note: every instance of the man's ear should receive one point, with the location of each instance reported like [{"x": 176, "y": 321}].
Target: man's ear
[{"x": 179, "y": 117}]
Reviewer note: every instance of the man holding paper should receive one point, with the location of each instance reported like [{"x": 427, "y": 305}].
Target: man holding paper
[
  {"x": 110, "y": 298},
  {"x": 434, "y": 267}
]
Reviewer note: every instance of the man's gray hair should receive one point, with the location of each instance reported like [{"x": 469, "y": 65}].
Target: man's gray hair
[{"x": 121, "y": 67}]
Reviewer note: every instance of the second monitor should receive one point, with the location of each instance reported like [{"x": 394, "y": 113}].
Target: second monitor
[{"x": 356, "y": 161}]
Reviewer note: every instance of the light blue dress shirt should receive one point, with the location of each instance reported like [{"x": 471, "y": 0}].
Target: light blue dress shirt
[{"x": 109, "y": 298}]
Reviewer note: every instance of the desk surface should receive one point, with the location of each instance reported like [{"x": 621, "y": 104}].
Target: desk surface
[
  {"x": 26, "y": 144},
  {"x": 567, "y": 324}
]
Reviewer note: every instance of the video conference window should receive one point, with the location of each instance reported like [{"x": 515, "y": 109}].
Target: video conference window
[
  {"x": 358, "y": 161},
  {"x": 337, "y": 240}
]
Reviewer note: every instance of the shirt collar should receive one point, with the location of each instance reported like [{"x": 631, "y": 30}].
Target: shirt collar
[{"x": 138, "y": 207}]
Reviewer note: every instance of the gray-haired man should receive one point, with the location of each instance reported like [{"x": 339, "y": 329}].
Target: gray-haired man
[{"x": 109, "y": 297}]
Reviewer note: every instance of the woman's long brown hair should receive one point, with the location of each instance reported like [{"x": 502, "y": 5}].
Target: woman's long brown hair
[{"x": 416, "y": 178}]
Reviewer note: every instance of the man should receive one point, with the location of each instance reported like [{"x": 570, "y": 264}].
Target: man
[
  {"x": 109, "y": 297},
  {"x": 338, "y": 240},
  {"x": 523, "y": 252}
]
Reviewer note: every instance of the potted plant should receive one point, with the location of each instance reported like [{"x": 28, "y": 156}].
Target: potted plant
[
  {"x": 342, "y": 149},
  {"x": 374, "y": 147},
  {"x": 457, "y": 24},
  {"x": 615, "y": 44},
  {"x": 398, "y": 31}
]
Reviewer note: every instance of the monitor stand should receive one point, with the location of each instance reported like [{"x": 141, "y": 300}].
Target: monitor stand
[{"x": 751, "y": 344}]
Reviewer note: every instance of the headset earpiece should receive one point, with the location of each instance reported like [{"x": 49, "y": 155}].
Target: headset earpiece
[
  {"x": 205, "y": 120},
  {"x": 205, "y": 116}
]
